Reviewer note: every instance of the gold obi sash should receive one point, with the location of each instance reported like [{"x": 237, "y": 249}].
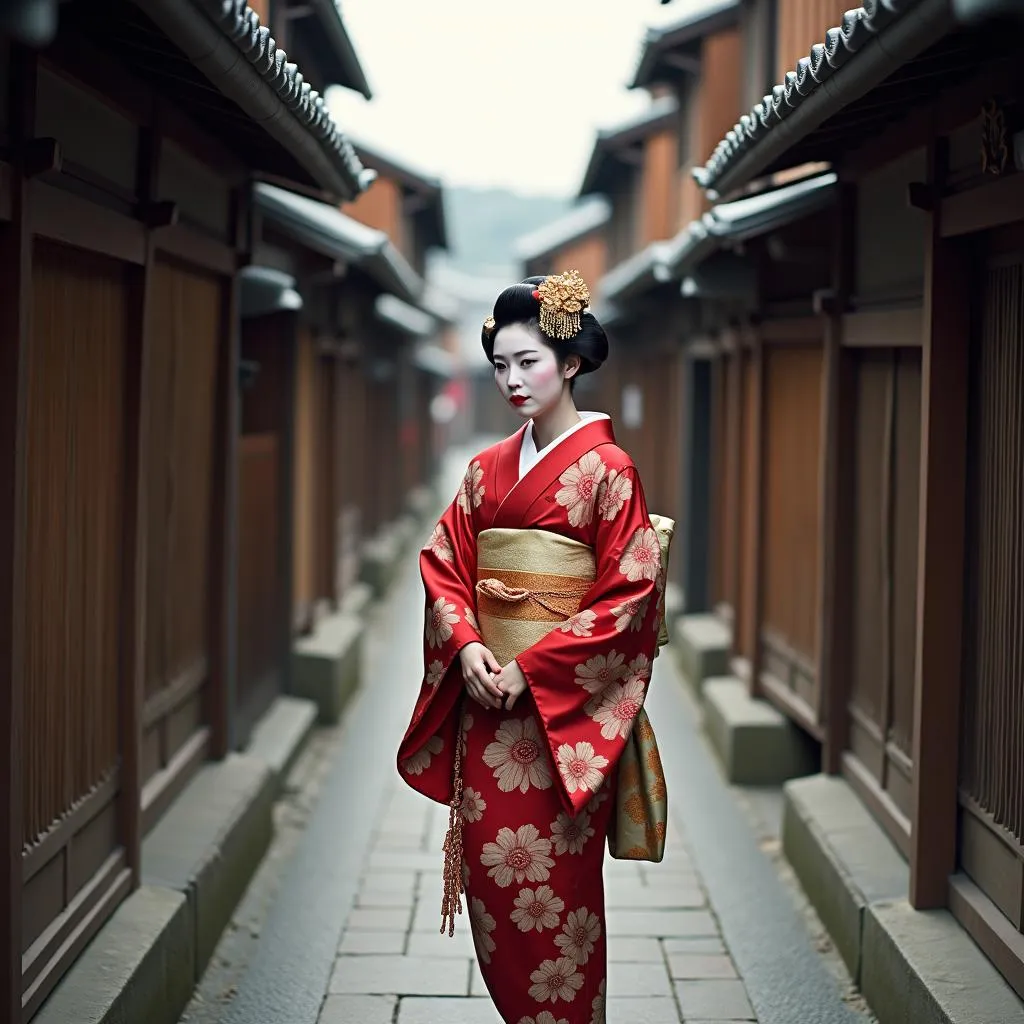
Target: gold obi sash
[{"x": 529, "y": 582}]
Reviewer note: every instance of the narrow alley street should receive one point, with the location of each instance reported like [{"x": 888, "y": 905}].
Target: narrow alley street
[{"x": 340, "y": 926}]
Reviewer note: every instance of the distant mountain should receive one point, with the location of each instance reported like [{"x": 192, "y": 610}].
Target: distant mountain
[{"x": 483, "y": 225}]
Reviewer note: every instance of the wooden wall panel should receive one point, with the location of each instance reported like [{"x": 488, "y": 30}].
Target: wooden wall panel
[
  {"x": 801, "y": 24},
  {"x": 186, "y": 319},
  {"x": 658, "y": 213},
  {"x": 380, "y": 207},
  {"x": 791, "y": 524},
  {"x": 304, "y": 540},
  {"x": 75, "y": 469},
  {"x": 719, "y": 92}
]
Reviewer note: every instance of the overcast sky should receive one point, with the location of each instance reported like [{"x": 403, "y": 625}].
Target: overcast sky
[{"x": 496, "y": 93}]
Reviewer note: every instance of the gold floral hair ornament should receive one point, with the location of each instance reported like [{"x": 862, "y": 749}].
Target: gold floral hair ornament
[
  {"x": 489, "y": 326},
  {"x": 563, "y": 297}
]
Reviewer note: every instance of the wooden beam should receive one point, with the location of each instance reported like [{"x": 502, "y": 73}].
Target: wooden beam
[
  {"x": 755, "y": 542},
  {"x": 940, "y": 586},
  {"x": 223, "y": 625},
  {"x": 989, "y": 206},
  {"x": 136, "y": 541},
  {"x": 883, "y": 328},
  {"x": 15, "y": 339},
  {"x": 836, "y": 485}
]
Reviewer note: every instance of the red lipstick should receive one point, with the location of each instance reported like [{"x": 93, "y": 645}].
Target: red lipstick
[{"x": 518, "y": 400}]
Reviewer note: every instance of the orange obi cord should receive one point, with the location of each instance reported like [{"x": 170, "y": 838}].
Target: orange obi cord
[{"x": 451, "y": 900}]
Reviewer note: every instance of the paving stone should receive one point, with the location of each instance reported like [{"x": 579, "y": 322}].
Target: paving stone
[
  {"x": 386, "y": 898},
  {"x": 661, "y": 923},
  {"x": 689, "y": 946},
  {"x": 635, "y": 951},
  {"x": 400, "y": 975},
  {"x": 406, "y": 860},
  {"x": 631, "y": 1010},
  {"x": 459, "y": 945},
  {"x": 379, "y": 919},
  {"x": 364, "y": 943},
  {"x": 714, "y": 1000},
  {"x": 696, "y": 966},
  {"x": 664, "y": 897},
  {"x": 447, "y": 1011},
  {"x": 364, "y": 1009},
  {"x": 392, "y": 881},
  {"x": 639, "y": 980},
  {"x": 398, "y": 841}
]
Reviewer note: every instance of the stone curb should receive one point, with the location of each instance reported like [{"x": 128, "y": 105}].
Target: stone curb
[
  {"x": 756, "y": 744},
  {"x": 326, "y": 666},
  {"x": 910, "y": 965},
  {"x": 702, "y": 644}
]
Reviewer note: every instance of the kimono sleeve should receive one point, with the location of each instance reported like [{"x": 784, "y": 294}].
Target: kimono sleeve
[
  {"x": 589, "y": 676},
  {"x": 448, "y": 569}
]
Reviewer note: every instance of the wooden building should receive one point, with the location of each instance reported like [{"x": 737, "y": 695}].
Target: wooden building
[
  {"x": 130, "y": 147},
  {"x": 862, "y": 329}
]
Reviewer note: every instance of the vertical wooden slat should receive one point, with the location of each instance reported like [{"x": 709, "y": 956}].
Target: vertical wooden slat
[
  {"x": 835, "y": 564},
  {"x": 223, "y": 622},
  {"x": 944, "y": 400},
  {"x": 15, "y": 299},
  {"x": 136, "y": 515},
  {"x": 755, "y": 542}
]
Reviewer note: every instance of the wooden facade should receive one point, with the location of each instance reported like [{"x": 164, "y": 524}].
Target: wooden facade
[
  {"x": 865, "y": 427},
  {"x": 147, "y": 580}
]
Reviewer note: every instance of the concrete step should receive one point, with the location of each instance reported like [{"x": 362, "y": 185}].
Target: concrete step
[
  {"x": 282, "y": 732},
  {"x": 910, "y": 965},
  {"x": 326, "y": 665},
  {"x": 756, "y": 744},
  {"x": 702, "y": 644}
]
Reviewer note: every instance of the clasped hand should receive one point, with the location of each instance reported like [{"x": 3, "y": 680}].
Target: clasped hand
[{"x": 486, "y": 681}]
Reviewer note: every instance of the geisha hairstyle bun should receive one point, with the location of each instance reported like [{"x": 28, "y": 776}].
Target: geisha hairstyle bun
[{"x": 520, "y": 304}]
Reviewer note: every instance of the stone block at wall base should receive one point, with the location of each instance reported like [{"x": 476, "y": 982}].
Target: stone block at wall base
[
  {"x": 921, "y": 966},
  {"x": 702, "y": 644},
  {"x": 139, "y": 967},
  {"x": 842, "y": 857},
  {"x": 326, "y": 665},
  {"x": 381, "y": 555},
  {"x": 911, "y": 966},
  {"x": 281, "y": 733},
  {"x": 756, "y": 745},
  {"x": 357, "y": 600},
  {"x": 675, "y": 601},
  {"x": 210, "y": 842},
  {"x": 421, "y": 502}
]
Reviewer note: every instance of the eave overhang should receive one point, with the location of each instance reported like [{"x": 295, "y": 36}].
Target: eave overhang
[
  {"x": 328, "y": 231},
  {"x": 611, "y": 143},
  {"x": 673, "y": 51},
  {"x": 886, "y": 57},
  {"x": 588, "y": 216}
]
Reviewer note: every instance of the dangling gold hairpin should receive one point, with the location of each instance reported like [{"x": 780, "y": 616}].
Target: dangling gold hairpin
[{"x": 563, "y": 297}]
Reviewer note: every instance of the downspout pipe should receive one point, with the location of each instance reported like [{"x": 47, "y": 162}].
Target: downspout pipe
[
  {"x": 921, "y": 27},
  {"x": 224, "y": 64}
]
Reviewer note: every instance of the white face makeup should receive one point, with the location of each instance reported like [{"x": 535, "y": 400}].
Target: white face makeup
[{"x": 526, "y": 371}]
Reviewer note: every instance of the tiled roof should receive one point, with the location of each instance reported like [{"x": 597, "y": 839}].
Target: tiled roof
[
  {"x": 588, "y": 215},
  {"x": 872, "y": 42},
  {"x": 235, "y": 32},
  {"x": 702, "y": 20}
]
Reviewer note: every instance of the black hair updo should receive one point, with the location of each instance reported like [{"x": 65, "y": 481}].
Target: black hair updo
[{"x": 516, "y": 305}]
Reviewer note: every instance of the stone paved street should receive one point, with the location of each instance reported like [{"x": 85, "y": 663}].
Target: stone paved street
[
  {"x": 341, "y": 925},
  {"x": 667, "y": 955}
]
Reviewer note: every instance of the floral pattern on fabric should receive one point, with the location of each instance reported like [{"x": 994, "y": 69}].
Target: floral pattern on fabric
[
  {"x": 613, "y": 495},
  {"x": 440, "y": 545},
  {"x": 472, "y": 492},
  {"x": 580, "y": 485},
  {"x": 522, "y": 856},
  {"x": 516, "y": 755},
  {"x": 537, "y": 782}
]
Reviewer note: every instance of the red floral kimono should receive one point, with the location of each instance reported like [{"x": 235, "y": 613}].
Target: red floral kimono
[{"x": 537, "y": 780}]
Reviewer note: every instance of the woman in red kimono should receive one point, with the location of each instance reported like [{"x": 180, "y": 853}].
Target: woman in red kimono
[{"x": 535, "y": 742}]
